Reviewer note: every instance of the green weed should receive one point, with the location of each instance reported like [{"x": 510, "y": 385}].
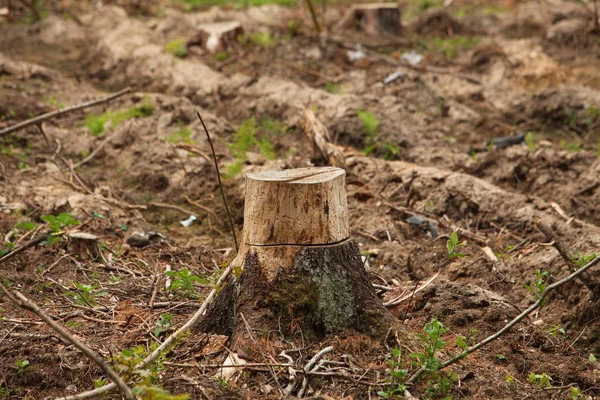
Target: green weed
[
  {"x": 22, "y": 365},
  {"x": 541, "y": 380},
  {"x": 332, "y": 87},
  {"x": 569, "y": 146},
  {"x": 452, "y": 245},
  {"x": 450, "y": 47},
  {"x": 539, "y": 284},
  {"x": 85, "y": 295},
  {"x": 397, "y": 376},
  {"x": 264, "y": 39},
  {"x": 182, "y": 135},
  {"x": 183, "y": 282},
  {"x": 581, "y": 260},
  {"x": 97, "y": 123},
  {"x": 370, "y": 124},
  {"x": 530, "y": 142},
  {"x": 177, "y": 48},
  {"x": 163, "y": 324},
  {"x": 58, "y": 222},
  {"x": 248, "y": 136},
  {"x": 221, "y": 56},
  {"x": 153, "y": 392},
  {"x": 555, "y": 330}
]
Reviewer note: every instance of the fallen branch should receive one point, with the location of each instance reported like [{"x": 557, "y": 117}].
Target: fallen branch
[
  {"x": 164, "y": 345},
  {"x": 23, "y": 302},
  {"x": 39, "y": 119},
  {"x": 551, "y": 237},
  {"x": 318, "y": 135},
  {"x": 512, "y": 323},
  {"x": 27, "y": 245},
  {"x": 310, "y": 366}
]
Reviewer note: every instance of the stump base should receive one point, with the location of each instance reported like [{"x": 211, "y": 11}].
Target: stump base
[{"x": 326, "y": 290}]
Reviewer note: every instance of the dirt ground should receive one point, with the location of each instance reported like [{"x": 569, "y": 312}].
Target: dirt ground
[{"x": 426, "y": 144}]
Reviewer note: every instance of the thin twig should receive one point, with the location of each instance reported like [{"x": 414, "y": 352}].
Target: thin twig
[
  {"x": 165, "y": 345},
  {"x": 23, "y": 302},
  {"x": 171, "y": 207},
  {"x": 27, "y": 245},
  {"x": 551, "y": 237},
  {"x": 212, "y": 149},
  {"x": 57, "y": 113},
  {"x": 512, "y": 323},
  {"x": 200, "y": 206},
  {"x": 313, "y": 15},
  {"x": 311, "y": 365},
  {"x": 249, "y": 330},
  {"x": 96, "y": 150}
]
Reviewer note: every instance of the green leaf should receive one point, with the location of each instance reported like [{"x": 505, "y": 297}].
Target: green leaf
[
  {"x": 461, "y": 342},
  {"x": 592, "y": 358},
  {"x": 26, "y": 226}
]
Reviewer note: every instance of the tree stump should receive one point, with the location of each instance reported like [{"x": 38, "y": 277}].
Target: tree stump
[
  {"x": 373, "y": 18},
  {"x": 85, "y": 245},
  {"x": 299, "y": 269},
  {"x": 217, "y": 36}
]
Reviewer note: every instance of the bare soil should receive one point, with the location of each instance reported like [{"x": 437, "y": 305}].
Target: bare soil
[{"x": 533, "y": 67}]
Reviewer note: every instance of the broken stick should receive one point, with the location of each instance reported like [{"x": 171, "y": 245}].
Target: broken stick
[{"x": 39, "y": 119}]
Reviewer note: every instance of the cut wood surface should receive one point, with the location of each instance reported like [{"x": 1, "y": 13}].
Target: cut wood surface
[
  {"x": 305, "y": 206},
  {"x": 217, "y": 36}
]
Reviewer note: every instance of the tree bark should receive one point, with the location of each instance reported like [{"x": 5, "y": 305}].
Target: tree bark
[{"x": 299, "y": 270}]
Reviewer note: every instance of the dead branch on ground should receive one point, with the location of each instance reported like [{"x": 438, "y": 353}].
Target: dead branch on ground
[
  {"x": 166, "y": 344},
  {"x": 512, "y": 323},
  {"x": 23, "y": 302},
  {"x": 44, "y": 117}
]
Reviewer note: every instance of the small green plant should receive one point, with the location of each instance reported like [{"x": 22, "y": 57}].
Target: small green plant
[
  {"x": 22, "y": 365},
  {"x": 221, "y": 56},
  {"x": 575, "y": 393},
  {"x": 440, "y": 382},
  {"x": 397, "y": 376},
  {"x": 85, "y": 295},
  {"x": 264, "y": 39},
  {"x": 451, "y": 47},
  {"x": 530, "y": 142},
  {"x": 58, "y": 222},
  {"x": 97, "y": 123},
  {"x": 181, "y": 135},
  {"x": 556, "y": 330},
  {"x": 390, "y": 151},
  {"x": 452, "y": 245},
  {"x": 98, "y": 383},
  {"x": 153, "y": 392},
  {"x": 332, "y": 87},
  {"x": 163, "y": 324},
  {"x": 592, "y": 358},
  {"x": 539, "y": 284},
  {"x": 177, "y": 48},
  {"x": 581, "y": 260},
  {"x": 247, "y": 137},
  {"x": 569, "y": 146},
  {"x": 183, "y": 282},
  {"x": 541, "y": 380},
  {"x": 370, "y": 124}
]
